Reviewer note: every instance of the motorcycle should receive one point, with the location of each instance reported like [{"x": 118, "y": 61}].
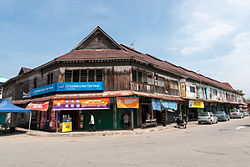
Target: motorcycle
[{"x": 180, "y": 123}]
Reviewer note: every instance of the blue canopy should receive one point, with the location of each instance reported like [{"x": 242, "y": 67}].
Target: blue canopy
[{"x": 6, "y": 106}]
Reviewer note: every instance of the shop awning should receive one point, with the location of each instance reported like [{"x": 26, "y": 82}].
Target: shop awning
[
  {"x": 169, "y": 104},
  {"x": 38, "y": 106},
  {"x": 99, "y": 95},
  {"x": 156, "y": 104}
]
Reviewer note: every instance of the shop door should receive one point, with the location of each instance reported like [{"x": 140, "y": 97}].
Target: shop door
[{"x": 119, "y": 117}]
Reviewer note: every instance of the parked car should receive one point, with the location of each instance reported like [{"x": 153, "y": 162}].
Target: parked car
[
  {"x": 245, "y": 113},
  {"x": 222, "y": 116},
  {"x": 207, "y": 117},
  {"x": 235, "y": 113}
]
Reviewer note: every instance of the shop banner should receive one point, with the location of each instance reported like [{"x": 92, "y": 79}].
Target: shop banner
[
  {"x": 68, "y": 86},
  {"x": 81, "y": 104},
  {"x": 156, "y": 104},
  {"x": 196, "y": 104},
  {"x": 43, "y": 90},
  {"x": 169, "y": 104},
  {"x": 80, "y": 86},
  {"x": 127, "y": 102},
  {"x": 183, "y": 89},
  {"x": 38, "y": 106}
]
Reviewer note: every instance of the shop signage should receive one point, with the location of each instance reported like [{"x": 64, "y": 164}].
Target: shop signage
[
  {"x": 196, "y": 104},
  {"x": 81, "y": 104},
  {"x": 43, "y": 90},
  {"x": 183, "y": 89},
  {"x": 127, "y": 102},
  {"x": 68, "y": 86},
  {"x": 80, "y": 86},
  {"x": 38, "y": 106}
]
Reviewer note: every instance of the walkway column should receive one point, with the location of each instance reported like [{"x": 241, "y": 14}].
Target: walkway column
[{"x": 132, "y": 119}]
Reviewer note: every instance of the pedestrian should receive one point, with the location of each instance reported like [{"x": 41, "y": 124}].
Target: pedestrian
[
  {"x": 126, "y": 120},
  {"x": 92, "y": 123}
]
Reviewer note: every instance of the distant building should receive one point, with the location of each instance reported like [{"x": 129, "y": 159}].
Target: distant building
[{"x": 2, "y": 81}]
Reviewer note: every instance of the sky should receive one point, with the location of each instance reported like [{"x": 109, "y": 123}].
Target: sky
[{"x": 209, "y": 37}]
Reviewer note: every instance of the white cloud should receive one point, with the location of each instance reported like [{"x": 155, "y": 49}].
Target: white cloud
[{"x": 217, "y": 31}]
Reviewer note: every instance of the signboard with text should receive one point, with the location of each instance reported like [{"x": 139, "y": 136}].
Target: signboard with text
[
  {"x": 81, "y": 104},
  {"x": 127, "y": 102},
  {"x": 196, "y": 104},
  {"x": 68, "y": 86}
]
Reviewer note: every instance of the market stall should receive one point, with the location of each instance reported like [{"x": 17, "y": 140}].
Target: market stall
[{"x": 7, "y": 107}]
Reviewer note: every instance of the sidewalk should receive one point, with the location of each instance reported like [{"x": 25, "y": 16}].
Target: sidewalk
[{"x": 136, "y": 131}]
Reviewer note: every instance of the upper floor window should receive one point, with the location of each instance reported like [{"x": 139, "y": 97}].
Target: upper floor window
[
  {"x": 192, "y": 89},
  {"x": 50, "y": 78},
  {"x": 35, "y": 83},
  {"x": 159, "y": 81},
  {"x": 142, "y": 77},
  {"x": 83, "y": 75},
  {"x": 173, "y": 85}
]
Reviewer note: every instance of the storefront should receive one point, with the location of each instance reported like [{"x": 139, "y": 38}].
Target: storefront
[
  {"x": 40, "y": 115},
  {"x": 195, "y": 107},
  {"x": 129, "y": 106},
  {"x": 171, "y": 110},
  {"x": 75, "y": 113}
]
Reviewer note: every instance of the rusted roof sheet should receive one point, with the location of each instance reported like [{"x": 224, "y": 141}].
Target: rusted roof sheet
[
  {"x": 97, "y": 54},
  {"x": 130, "y": 53},
  {"x": 98, "y": 95}
]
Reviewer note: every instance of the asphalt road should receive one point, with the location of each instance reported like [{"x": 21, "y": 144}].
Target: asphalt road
[{"x": 223, "y": 144}]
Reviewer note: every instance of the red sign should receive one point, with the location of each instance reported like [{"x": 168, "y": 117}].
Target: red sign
[{"x": 39, "y": 106}]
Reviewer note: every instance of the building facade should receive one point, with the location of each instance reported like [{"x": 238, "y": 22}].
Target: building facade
[{"x": 109, "y": 80}]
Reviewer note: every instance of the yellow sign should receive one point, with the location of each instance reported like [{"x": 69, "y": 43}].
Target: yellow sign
[
  {"x": 196, "y": 104},
  {"x": 66, "y": 126},
  {"x": 183, "y": 89},
  {"x": 127, "y": 102}
]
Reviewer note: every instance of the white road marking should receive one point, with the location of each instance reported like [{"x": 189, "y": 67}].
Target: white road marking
[{"x": 240, "y": 127}]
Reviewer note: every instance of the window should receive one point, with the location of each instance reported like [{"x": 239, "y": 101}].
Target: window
[
  {"x": 35, "y": 83},
  {"x": 134, "y": 76},
  {"x": 173, "y": 85},
  {"x": 50, "y": 78},
  {"x": 192, "y": 89},
  {"x": 98, "y": 75},
  {"x": 68, "y": 75},
  {"x": 144, "y": 78},
  {"x": 84, "y": 75},
  {"x": 150, "y": 79},
  {"x": 76, "y": 75},
  {"x": 91, "y": 77},
  {"x": 139, "y": 76},
  {"x": 160, "y": 81}
]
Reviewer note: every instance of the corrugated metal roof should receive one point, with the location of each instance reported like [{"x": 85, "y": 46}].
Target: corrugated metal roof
[{"x": 98, "y": 95}]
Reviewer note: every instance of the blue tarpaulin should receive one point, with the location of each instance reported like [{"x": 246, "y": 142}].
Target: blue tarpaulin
[
  {"x": 169, "y": 104},
  {"x": 156, "y": 104},
  {"x": 7, "y": 107}
]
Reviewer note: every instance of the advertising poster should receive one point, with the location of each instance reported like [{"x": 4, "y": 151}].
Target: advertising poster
[
  {"x": 196, "y": 104},
  {"x": 183, "y": 89},
  {"x": 79, "y": 104},
  {"x": 53, "y": 120},
  {"x": 127, "y": 102},
  {"x": 38, "y": 106}
]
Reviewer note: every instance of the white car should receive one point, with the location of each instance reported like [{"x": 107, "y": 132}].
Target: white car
[
  {"x": 207, "y": 117},
  {"x": 235, "y": 113}
]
